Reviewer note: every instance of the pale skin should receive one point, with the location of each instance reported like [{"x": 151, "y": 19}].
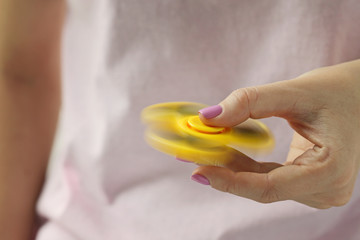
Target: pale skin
[
  {"x": 323, "y": 107},
  {"x": 30, "y": 39}
]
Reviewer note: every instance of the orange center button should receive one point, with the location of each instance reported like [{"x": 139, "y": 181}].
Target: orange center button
[{"x": 194, "y": 122}]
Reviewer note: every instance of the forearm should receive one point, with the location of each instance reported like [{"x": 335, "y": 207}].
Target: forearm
[{"x": 29, "y": 105}]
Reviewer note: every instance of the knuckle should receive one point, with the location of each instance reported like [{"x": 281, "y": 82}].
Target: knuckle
[
  {"x": 246, "y": 97},
  {"x": 338, "y": 178},
  {"x": 240, "y": 96},
  {"x": 323, "y": 206},
  {"x": 341, "y": 182},
  {"x": 225, "y": 185},
  {"x": 341, "y": 178},
  {"x": 345, "y": 178},
  {"x": 233, "y": 189},
  {"x": 340, "y": 203},
  {"x": 270, "y": 193},
  {"x": 341, "y": 200},
  {"x": 222, "y": 186},
  {"x": 336, "y": 200}
]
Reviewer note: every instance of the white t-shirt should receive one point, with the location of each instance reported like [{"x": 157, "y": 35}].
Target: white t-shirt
[{"x": 119, "y": 56}]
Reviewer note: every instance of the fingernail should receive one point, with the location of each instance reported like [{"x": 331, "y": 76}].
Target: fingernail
[
  {"x": 182, "y": 160},
  {"x": 211, "y": 112},
  {"x": 200, "y": 179}
]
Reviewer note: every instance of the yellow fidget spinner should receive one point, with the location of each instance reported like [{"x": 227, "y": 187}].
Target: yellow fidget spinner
[{"x": 176, "y": 129}]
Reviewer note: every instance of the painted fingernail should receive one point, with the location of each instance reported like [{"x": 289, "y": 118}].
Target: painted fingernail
[
  {"x": 182, "y": 160},
  {"x": 200, "y": 179},
  {"x": 211, "y": 112}
]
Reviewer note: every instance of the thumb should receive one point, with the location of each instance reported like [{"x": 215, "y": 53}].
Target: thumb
[{"x": 277, "y": 99}]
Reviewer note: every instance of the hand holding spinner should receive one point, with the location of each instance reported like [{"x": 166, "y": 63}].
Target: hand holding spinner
[{"x": 176, "y": 129}]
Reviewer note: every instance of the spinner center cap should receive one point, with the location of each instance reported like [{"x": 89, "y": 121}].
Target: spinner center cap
[{"x": 195, "y": 123}]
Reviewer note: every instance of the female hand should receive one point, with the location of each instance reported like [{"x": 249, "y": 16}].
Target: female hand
[{"x": 323, "y": 107}]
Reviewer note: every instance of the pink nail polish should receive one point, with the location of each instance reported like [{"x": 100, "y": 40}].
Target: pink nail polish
[
  {"x": 200, "y": 179},
  {"x": 211, "y": 112},
  {"x": 182, "y": 160}
]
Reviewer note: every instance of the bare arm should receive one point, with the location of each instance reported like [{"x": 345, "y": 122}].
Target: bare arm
[{"x": 30, "y": 36}]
